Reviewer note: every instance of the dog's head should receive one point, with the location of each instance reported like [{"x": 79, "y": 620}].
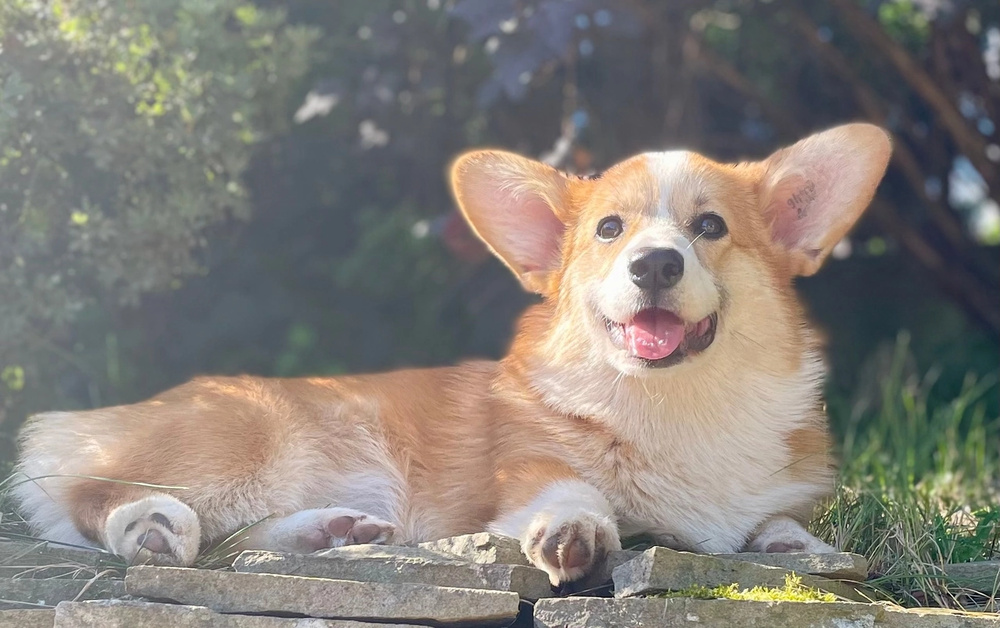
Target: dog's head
[{"x": 668, "y": 255}]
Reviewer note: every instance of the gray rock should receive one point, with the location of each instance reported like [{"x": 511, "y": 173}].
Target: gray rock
[
  {"x": 375, "y": 563},
  {"x": 483, "y": 547},
  {"x": 661, "y": 569},
  {"x": 842, "y": 565},
  {"x": 649, "y": 612},
  {"x": 122, "y": 614},
  {"x": 603, "y": 572},
  {"x": 28, "y": 593},
  {"x": 392, "y": 551},
  {"x": 981, "y": 576},
  {"x": 34, "y": 618},
  {"x": 50, "y": 560},
  {"x": 229, "y": 592},
  {"x": 896, "y": 617}
]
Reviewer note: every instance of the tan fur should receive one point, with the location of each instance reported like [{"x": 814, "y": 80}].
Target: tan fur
[{"x": 562, "y": 443}]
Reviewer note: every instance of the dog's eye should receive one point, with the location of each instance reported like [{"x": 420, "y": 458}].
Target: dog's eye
[
  {"x": 709, "y": 226},
  {"x": 609, "y": 228}
]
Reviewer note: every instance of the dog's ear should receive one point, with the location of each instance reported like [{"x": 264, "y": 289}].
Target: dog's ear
[
  {"x": 517, "y": 207},
  {"x": 814, "y": 191}
]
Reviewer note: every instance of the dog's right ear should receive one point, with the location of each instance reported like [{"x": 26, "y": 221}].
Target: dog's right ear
[{"x": 517, "y": 206}]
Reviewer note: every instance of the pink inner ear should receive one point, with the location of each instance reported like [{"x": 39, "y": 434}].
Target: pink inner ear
[
  {"x": 543, "y": 243},
  {"x": 799, "y": 211},
  {"x": 524, "y": 230}
]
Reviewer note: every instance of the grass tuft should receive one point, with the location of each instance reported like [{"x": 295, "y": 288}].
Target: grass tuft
[{"x": 920, "y": 483}]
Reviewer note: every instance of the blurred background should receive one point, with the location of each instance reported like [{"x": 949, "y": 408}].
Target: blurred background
[
  {"x": 230, "y": 186},
  {"x": 222, "y": 186}
]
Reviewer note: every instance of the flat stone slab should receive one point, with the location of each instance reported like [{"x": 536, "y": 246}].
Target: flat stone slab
[
  {"x": 129, "y": 614},
  {"x": 661, "y": 569},
  {"x": 48, "y": 560},
  {"x": 839, "y": 566},
  {"x": 30, "y": 593},
  {"x": 27, "y": 618},
  {"x": 482, "y": 547},
  {"x": 842, "y": 565},
  {"x": 648, "y": 612},
  {"x": 981, "y": 576},
  {"x": 897, "y": 617},
  {"x": 583, "y": 612},
  {"x": 229, "y": 592},
  {"x": 393, "y": 565}
]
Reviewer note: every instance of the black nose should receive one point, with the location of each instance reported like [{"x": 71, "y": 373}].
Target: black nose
[{"x": 651, "y": 269}]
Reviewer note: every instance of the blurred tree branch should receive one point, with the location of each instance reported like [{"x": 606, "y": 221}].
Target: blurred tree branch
[
  {"x": 948, "y": 252},
  {"x": 968, "y": 141}
]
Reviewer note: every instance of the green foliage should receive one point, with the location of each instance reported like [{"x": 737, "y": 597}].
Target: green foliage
[
  {"x": 905, "y": 23},
  {"x": 920, "y": 483},
  {"x": 125, "y": 129}
]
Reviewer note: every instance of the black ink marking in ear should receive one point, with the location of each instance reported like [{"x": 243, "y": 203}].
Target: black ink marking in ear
[
  {"x": 593, "y": 176},
  {"x": 802, "y": 199}
]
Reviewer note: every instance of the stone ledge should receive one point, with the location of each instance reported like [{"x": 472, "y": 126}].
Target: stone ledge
[
  {"x": 229, "y": 592},
  {"x": 34, "y": 618},
  {"x": 648, "y": 612},
  {"x": 395, "y": 565},
  {"x": 29, "y": 593},
  {"x": 842, "y": 565},
  {"x": 483, "y": 547},
  {"x": 661, "y": 569},
  {"x": 121, "y": 614},
  {"x": 981, "y": 576},
  {"x": 47, "y": 560}
]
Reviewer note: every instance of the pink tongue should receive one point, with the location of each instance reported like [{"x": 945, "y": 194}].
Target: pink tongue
[{"x": 654, "y": 334}]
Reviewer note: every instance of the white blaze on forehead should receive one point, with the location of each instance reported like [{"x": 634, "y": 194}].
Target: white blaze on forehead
[{"x": 672, "y": 171}]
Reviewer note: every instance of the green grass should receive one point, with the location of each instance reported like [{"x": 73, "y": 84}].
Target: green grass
[{"x": 919, "y": 487}]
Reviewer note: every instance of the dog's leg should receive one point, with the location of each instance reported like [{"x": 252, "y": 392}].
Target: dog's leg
[
  {"x": 565, "y": 529},
  {"x": 138, "y": 524},
  {"x": 310, "y": 530},
  {"x": 783, "y": 534}
]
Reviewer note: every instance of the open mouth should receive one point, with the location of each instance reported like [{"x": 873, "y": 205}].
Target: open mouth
[{"x": 659, "y": 337}]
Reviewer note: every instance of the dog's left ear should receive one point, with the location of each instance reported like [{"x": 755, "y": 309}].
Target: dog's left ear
[
  {"x": 814, "y": 191},
  {"x": 517, "y": 207}
]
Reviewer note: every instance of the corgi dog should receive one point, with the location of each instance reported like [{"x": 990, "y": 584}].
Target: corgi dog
[{"x": 667, "y": 384}]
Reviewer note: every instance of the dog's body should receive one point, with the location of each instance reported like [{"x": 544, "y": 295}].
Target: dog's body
[{"x": 574, "y": 439}]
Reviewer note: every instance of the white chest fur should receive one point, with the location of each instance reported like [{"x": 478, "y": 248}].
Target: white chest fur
[{"x": 701, "y": 465}]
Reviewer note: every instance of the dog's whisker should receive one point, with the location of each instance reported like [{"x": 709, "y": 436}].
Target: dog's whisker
[
  {"x": 748, "y": 339},
  {"x": 691, "y": 243}
]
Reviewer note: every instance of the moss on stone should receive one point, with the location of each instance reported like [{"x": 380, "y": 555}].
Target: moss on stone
[{"x": 793, "y": 591}]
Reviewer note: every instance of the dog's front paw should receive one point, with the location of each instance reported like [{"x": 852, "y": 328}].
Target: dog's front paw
[
  {"x": 158, "y": 529},
  {"x": 567, "y": 547},
  {"x": 783, "y": 535}
]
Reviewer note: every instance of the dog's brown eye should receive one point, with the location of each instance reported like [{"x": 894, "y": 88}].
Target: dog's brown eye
[
  {"x": 709, "y": 226},
  {"x": 609, "y": 228}
]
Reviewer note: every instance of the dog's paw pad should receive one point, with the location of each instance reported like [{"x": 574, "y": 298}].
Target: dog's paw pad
[
  {"x": 568, "y": 550},
  {"x": 782, "y": 535},
  {"x": 159, "y": 530},
  {"x": 782, "y": 547},
  {"x": 358, "y": 529}
]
